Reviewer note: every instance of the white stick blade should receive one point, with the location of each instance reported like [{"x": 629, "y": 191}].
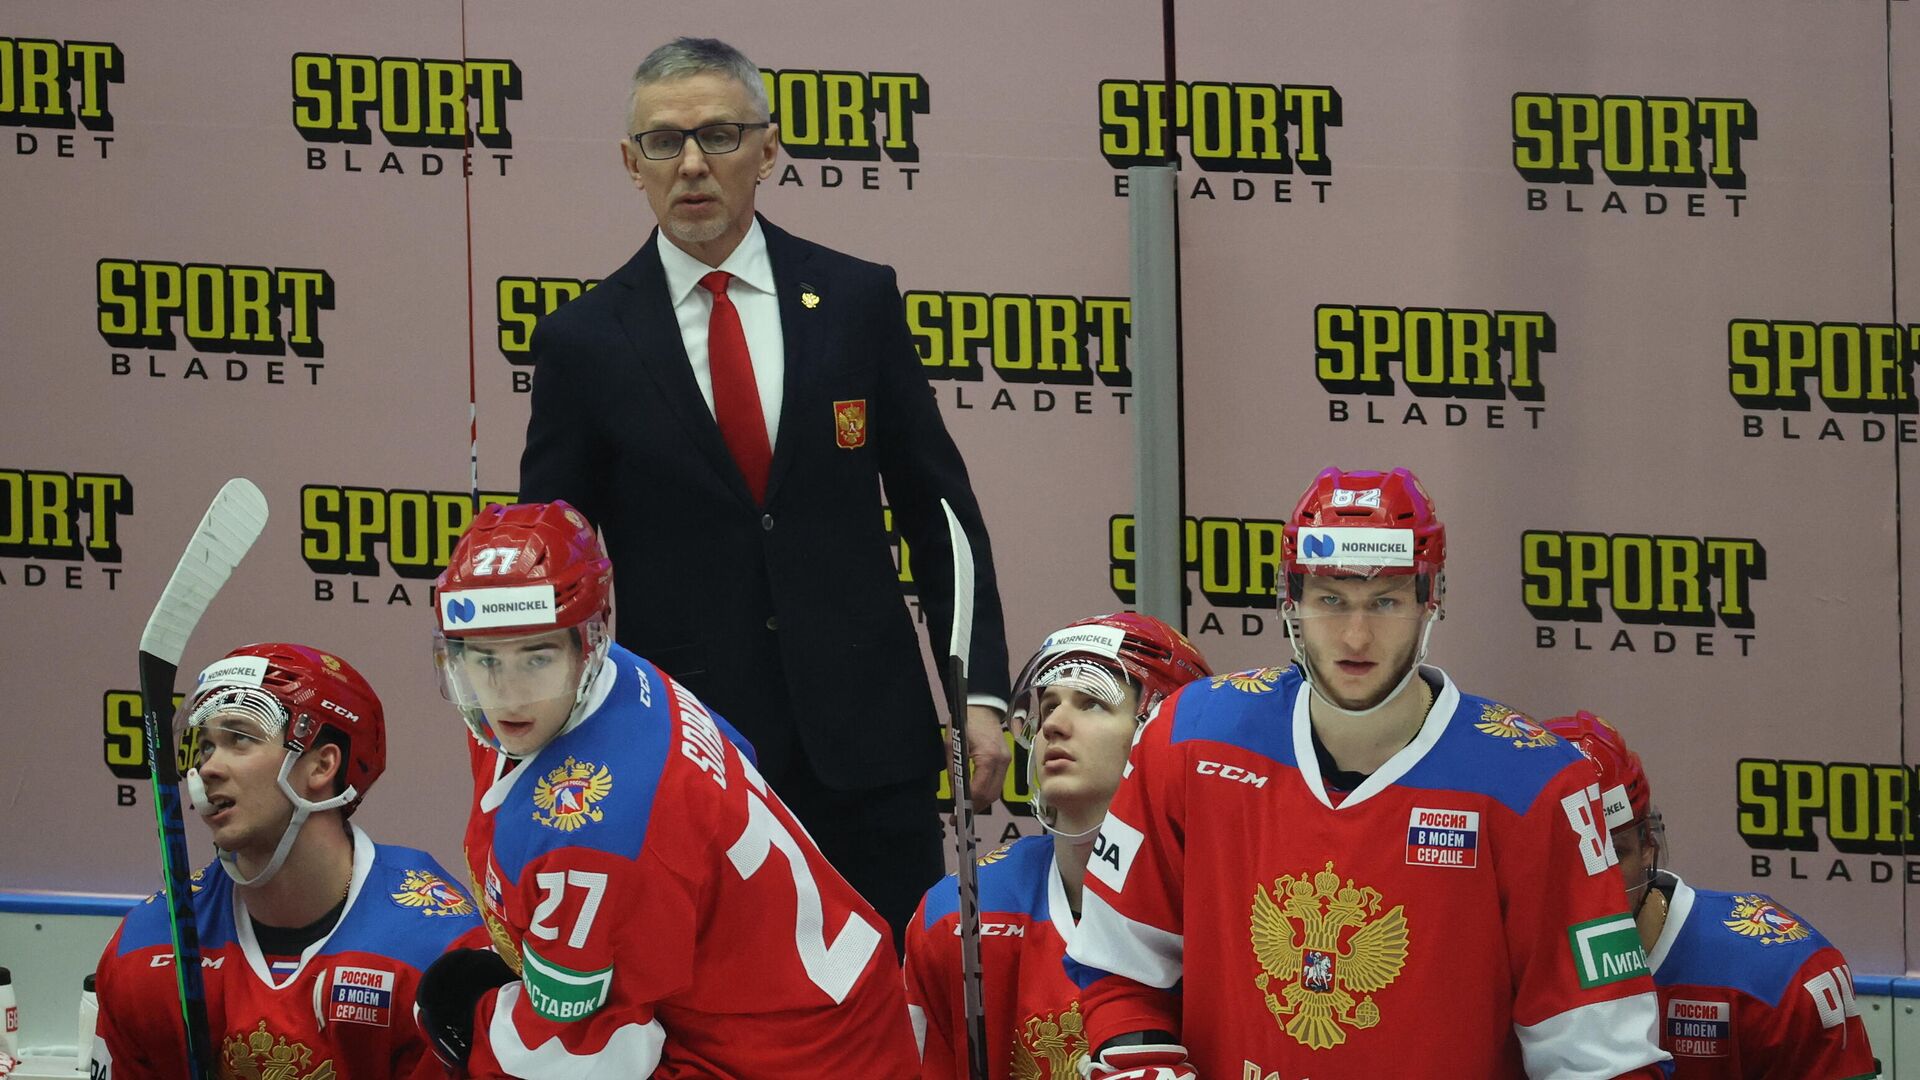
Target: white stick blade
[
  {"x": 962, "y": 642},
  {"x": 231, "y": 525}
]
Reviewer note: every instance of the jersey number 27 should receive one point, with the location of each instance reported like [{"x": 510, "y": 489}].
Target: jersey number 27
[{"x": 833, "y": 966}]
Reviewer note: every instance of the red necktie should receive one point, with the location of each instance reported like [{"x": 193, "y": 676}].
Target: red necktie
[{"x": 736, "y": 396}]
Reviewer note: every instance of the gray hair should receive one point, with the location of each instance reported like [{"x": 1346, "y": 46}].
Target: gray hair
[{"x": 687, "y": 56}]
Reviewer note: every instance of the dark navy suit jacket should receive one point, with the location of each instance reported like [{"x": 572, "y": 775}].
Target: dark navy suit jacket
[{"x": 786, "y": 617}]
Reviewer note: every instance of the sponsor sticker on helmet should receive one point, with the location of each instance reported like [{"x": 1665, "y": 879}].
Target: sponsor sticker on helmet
[
  {"x": 1617, "y": 807},
  {"x": 489, "y": 609},
  {"x": 1101, "y": 640},
  {"x": 234, "y": 671},
  {"x": 1356, "y": 547}
]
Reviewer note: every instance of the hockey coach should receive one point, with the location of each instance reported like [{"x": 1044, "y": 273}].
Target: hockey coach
[{"x": 727, "y": 406}]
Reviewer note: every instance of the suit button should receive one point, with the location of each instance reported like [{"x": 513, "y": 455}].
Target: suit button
[
  {"x": 773, "y": 622},
  {"x": 766, "y": 523}
]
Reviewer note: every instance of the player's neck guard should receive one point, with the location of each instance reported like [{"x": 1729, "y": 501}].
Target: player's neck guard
[{"x": 1290, "y": 618}]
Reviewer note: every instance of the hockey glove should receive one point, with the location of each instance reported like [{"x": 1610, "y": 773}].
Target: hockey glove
[
  {"x": 1148, "y": 1061},
  {"x": 449, "y": 990}
]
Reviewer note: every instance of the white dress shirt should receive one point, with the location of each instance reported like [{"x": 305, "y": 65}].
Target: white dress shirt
[{"x": 753, "y": 295}]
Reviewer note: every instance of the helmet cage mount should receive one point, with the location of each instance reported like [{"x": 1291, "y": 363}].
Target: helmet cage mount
[
  {"x": 1102, "y": 680},
  {"x": 1101, "y": 656},
  {"x": 212, "y": 704}
]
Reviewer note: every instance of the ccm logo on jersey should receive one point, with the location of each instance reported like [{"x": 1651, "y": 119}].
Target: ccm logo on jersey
[
  {"x": 1699, "y": 1028},
  {"x": 1230, "y": 772},
  {"x": 210, "y": 963},
  {"x": 997, "y": 929},
  {"x": 1113, "y": 851},
  {"x": 1443, "y": 837},
  {"x": 358, "y": 996}
]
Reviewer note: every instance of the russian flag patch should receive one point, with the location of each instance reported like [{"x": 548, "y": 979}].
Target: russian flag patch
[
  {"x": 358, "y": 995},
  {"x": 1699, "y": 1028},
  {"x": 1443, "y": 837}
]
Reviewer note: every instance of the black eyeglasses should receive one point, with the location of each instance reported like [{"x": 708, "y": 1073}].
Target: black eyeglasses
[{"x": 665, "y": 144}]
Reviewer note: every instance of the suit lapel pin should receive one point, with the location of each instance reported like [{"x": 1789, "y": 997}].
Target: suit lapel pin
[{"x": 809, "y": 299}]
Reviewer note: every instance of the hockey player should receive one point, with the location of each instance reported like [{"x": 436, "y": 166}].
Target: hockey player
[
  {"x": 1075, "y": 708},
  {"x": 655, "y": 910},
  {"x": 1748, "y": 990},
  {"x": 1352, "y": 859},
  {"x": 313, "y": 936}
]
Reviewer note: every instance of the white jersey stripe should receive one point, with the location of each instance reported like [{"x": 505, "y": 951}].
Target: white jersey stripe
[
  {"x": 1593, "y": 1042},
  {"x": 1111, "y": 942},
  {"x": 632, "y": 1050}
]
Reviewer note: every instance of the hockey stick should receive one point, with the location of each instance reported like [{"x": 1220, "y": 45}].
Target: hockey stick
[
  {"x": 231, "y": 525},
  {"x": 958, "y": 768}
]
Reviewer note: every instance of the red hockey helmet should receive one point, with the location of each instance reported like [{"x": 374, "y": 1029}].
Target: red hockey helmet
[
  {"x": 1365, "y": 523},
  {"x": 306, "y": 693},
  {"x": 1624, "y": 792},
  {"x": 521, "y": 572},
  {"x": 1093, "y": 652},
  {"x": 522, "y": 569}
]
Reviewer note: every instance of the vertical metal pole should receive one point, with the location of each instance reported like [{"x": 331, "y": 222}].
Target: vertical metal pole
[{"x": 1158, "y": 451}]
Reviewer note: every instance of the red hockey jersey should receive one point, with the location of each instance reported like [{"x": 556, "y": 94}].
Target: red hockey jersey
[
  {"x": 1459, "y": 914},
  {"x": 343, "y": 1010},
  {"x": 1035, "y": 1030},
  {"x": 666, "y": 913},
  {"x": 1748, "y": 991}
]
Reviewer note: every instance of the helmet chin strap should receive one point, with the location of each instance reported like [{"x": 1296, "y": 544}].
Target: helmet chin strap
[
  {"x": 1289, "y": 618},
  {"x": 1643, "y": 892},
  {"x": 303, "y": 808},
  {"x": 590, "y": 674}
]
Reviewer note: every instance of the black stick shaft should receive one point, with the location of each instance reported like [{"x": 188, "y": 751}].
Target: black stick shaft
[
  {"x": 960, "y": 769},
  {"x": 156, "y": 691}
]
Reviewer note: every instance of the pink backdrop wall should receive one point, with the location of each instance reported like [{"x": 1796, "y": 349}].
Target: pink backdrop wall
[{"x": 1770, "y": 715}]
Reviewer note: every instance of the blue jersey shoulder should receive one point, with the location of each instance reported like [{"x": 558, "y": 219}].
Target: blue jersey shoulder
[
  {"x": 1012, "y": 881},
  {"x": 1492, "y": 750},
  {"x": 1743, "y": 941},
  {"x": 409, "y": 908},
  {"x": 593, "y": 787},
  {"x": 147, "y": 924},
  {"x": 1251, "y": 709}
]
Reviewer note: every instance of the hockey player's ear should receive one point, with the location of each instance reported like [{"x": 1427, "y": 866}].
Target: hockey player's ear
[{"x": 324, "y": 769}]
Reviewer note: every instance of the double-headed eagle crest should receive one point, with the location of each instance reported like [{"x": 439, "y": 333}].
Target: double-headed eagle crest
[
  {"x": 1326, "y": 946},
  {"x": 426, "y": 892},
  {"x": 1503, "y": 723},
  {"x": 260, "y": 1055},
  {"x": 1251, "y": 681},
  {"x": 566, "y": 795},
  {"x": 1756, "y": 916},
  {"x": 1059, "y": 1044}
]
